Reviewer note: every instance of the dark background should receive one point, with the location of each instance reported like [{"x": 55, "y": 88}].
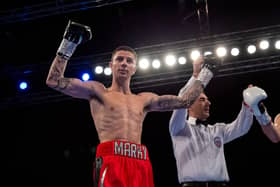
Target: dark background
[{"x": 51, "y": 143}]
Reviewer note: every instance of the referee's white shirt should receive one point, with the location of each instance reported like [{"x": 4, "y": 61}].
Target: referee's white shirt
[{"x": 199, "y": 149}]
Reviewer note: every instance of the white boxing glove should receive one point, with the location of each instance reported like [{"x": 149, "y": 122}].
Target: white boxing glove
[
  {"x": 252, "y": 97},
  {"x": 205, "y": 75}
]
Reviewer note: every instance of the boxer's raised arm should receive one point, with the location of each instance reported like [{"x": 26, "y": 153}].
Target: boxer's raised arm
[{"x": 74, "y": 35}]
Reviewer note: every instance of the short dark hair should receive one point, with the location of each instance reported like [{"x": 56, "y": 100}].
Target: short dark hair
[{"x": 124, "y": 48}]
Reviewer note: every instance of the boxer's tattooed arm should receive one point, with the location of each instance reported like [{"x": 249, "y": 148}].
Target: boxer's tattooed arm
[
  {"x": 56, "y": 74},
  {"x": 193, "y": 93},
  {"x": 73, "y": 87},
  {"x": 63, "y": 83},
  {"x": 169, "y": 102},
  {"x": 166, "y": 103}
]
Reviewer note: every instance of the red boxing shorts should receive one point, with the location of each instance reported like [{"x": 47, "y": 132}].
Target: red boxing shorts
[{"x": 122, "y": 164}]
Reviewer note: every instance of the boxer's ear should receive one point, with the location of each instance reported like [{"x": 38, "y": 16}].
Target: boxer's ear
[{"x": 277, "y": 120}]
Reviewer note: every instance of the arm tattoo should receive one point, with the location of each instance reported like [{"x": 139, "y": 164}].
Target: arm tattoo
[
  {"x": 57, "y": 72},
  {"x": 193, "y": 93},
  {"x": 169, "y": 103},
  {"x": 187, "y": 99},
  {"x": 63, "y": 83}
]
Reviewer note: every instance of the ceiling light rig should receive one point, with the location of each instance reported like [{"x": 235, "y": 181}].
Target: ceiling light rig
[{"x": 159, "y": 65}]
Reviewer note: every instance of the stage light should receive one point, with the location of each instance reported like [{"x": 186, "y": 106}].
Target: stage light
[
  {"x": 170, "y": 60},
  {"x": 264, "y": 44},
  {"x": 144, "y": 63},
  {"x": 221, "y": 51},
  {"x": 156, "y": 64},
  {"x": 85, "y": 76},
  {"x": 235, "y": 51},
  {"x": 182, "y": 60},
  {"x": 195, "y": 54},
  {"x": 107, "y": 71},
  {"x": 251, "y": 49},
  {"x": 277, "y": 44},
  {"x": 23, "y": 85},
  {"x": 98, "y": 69}
]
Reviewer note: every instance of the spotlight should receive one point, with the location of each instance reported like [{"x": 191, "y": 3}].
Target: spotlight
[
  {"x": 85, "y": 77},
  {"x": 251, "y": 49},
  {"x": 264, "y": 44},
  {"x": 107, "y": 71},
  {"x": 221, "y": 51},
  {"x": 98, "y": 69},
  {"x": 144, "y": 63},
  {"x": 182, "y": 60},
  {"x": 195, "y": 54},
  {"x": 234, "y": 51},
  {"x": 277, "y": 44},
  {"x": 23, "y": 85},
  {"x": 170, "y": 60},
  {"x": 156, "y": 64}
]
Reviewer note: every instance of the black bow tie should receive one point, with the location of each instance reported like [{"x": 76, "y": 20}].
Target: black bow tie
[{"x": 200, "y": 122}]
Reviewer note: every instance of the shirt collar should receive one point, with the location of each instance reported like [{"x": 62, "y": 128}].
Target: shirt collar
[
  {"x": 192, "y": 120},
  {"x": 195, "y": 121}
]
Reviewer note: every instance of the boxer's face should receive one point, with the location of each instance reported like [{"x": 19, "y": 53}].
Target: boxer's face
[
  {"x": 201, "y": 107},
  {"x": 123, "y": 64}
]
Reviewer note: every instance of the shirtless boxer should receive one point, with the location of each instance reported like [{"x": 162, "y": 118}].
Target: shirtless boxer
[{"x": 118, "y": 114}]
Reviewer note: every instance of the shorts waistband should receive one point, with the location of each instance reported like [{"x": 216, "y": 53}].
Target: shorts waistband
[
  {"x": 122, "y": 148},
  {"x": 205, "y": 184}
]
